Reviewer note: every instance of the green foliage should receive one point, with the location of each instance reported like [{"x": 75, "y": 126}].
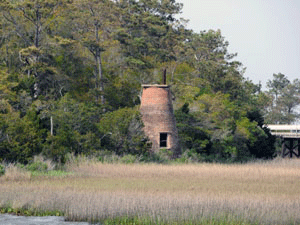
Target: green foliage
[
  {"x": 56, "y": 147},
  {"x": 264, "y": 144},
  {"x": 122, "y": 132},
  {"x": 37, "y": 166},
  {"x": 284, "y": 100},
  {"x": 74, "y": 129},
  {"x": 24, "y": 137},
  {"x": 218, "y": 131},
  {"x": 25, "y": 211},
  {"x": 162, "y": 156},
  {"x": 129, "y": 159},
  {"x": 122, "y": 94},
  {"x": 2, "y": 170},
  {"x": 191, "y": 132},
  {"x": 278, "y": 83},
  {"x": 145, "y": 220},
  {"x": 71, "y": 72}
]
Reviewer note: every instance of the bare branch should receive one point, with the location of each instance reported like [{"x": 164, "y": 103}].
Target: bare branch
[
  {"x": 26, "y": 16},
  {"x": 13, "y": 21}
]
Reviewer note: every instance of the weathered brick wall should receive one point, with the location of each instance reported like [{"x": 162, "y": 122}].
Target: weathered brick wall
[{"x": 157, "y": 112}]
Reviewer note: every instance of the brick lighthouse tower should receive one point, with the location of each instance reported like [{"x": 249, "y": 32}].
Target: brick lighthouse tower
[{"x": 159, "y": 121}]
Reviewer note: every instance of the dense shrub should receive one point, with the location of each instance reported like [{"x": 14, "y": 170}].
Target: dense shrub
[
  {"x": 128, "y": 159},
  {"x": 37, "y": 166},
  {"x": 2, "y": 170},
  {"x": 217, "y": 131},
  {"x": 24, "y": 137},
  {"x": 122, "y": 132},
  {"x": 74, "y": 129}
]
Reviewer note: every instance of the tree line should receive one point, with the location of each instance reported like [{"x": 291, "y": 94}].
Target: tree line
[{"x": 71, "y": 74}]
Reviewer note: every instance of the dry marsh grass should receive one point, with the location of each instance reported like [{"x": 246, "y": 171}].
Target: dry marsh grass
[
  {"x": 262, "y": 193},
  {"x": 14, "y": 173}
]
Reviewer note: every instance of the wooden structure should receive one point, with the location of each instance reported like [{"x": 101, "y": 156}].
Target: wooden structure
[{"x": 290, "y": 136}]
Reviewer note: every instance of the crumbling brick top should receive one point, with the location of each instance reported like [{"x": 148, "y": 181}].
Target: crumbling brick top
[{"x": 155, "y": 85}]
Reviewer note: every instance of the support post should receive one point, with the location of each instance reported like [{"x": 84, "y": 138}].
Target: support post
[
  {"x": 289, "y": 148},
  {"x": 283, "y": 148}
]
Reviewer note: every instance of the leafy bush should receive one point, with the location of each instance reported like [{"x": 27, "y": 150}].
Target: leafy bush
[
  {"x": 162, "y": 156},
  {"x": 108, "y": 157},
  {"x": 192, "y": 133},
  {"x": 74, "y": 130},
  {"x": 190, "y": 156},
  {"x": 122, "y": 132},
  {"x": 37, "y": 166},
  {"x": 23, "y": 139},
  {"x": 219, "y": 131},
  {"x": 128, "y": 159},
  {"x": 2, "y": 170}
]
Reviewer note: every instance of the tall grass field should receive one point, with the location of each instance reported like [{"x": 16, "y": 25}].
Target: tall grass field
[{"x": 253, "y": 193}]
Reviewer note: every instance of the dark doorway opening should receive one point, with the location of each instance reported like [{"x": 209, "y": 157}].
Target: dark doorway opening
[{"x": 163, "y": 140}]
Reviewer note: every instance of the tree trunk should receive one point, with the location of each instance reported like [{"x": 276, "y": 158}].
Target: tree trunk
[
  {"x": 37, "y": 29},
  {"x": 101, "y": 85},
  {"x": 36, "y": 44},
  {"x": 7, "y": 59},
  {"x": 51, "y": 125},
  {"x": 99, "y": 76}
]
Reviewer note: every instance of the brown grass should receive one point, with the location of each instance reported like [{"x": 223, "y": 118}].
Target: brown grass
[
  {"x": 14, "y": 173},
  {"x": 266, "y": 193}
]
